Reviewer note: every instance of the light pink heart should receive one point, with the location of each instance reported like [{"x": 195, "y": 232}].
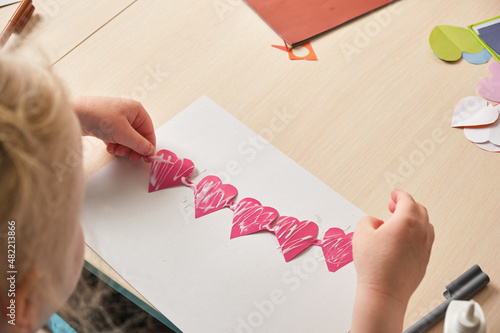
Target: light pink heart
[
  {"x": 211, "y": 195},
  {"x": 167, "y": 170},
  {"x": 337, "y": 248},
  {"x": 250, "y": 217},
  {"x": 489, "y": 87},
  {"x": 295, "y": 236}
]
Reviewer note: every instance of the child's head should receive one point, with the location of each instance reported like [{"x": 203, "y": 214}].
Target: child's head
[{"x": 41, "y": 190}]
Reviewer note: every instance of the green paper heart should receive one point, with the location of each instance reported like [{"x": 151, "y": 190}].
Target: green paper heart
[{"x": 448, "y": 42}]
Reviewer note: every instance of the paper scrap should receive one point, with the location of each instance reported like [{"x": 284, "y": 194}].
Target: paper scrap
[
  {"x": 489, "y": 87},
  {"x": 488, "y": 146},
  {"x": 448, "y": 42},
  {"x": 281, "y": 47},
  {"x": 477, "y": 134},
  {"x": 473, "y": 111},
  {"x": 477, "y": 58},
  {"x": 480, "y": 121},
  {"x": 8, "y": 2},
  {"x": 488, "y": 136},
  {"x": 311, "y": 55}
]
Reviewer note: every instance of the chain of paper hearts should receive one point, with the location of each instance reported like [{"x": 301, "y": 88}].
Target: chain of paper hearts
[{"x": 250, "y": 216}]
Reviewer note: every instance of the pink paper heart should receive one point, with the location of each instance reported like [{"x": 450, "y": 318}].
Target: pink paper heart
[
  {"x": 337, "y": 248},
  {"x": 167, "y": 170},
  {"x": 211, "y": 195},
  {"x": 250, "y": 217},
  {"x": 295, "y": 236},
  {"x": 489, "y": 87}
]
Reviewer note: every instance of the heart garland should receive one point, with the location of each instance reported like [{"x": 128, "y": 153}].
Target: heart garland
[{"x": 250, "y": 216}]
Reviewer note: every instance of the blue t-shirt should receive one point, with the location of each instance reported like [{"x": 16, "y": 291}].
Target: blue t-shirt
[{"x": 57, "y": 325}]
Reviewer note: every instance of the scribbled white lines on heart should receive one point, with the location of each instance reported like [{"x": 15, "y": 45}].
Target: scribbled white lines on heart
[
  {"x": 164, "y": 169},
  {"x": 286, "y": 228}
]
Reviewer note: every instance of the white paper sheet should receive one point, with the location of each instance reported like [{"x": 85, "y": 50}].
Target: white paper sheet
[
  {"x": 8, "y": 2},
  {"x": 189, "y": 269}
]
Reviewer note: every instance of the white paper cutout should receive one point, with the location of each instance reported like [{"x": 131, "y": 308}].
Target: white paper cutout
[
  {"x": 488, "y": 146},
  {"x": 495, "y": 133},
  {"x": 480, "y": 121},
  {"x": 483, "y": 135},
  {"x": 477, "y": 134},
  {"x": 473, "y": 111}
]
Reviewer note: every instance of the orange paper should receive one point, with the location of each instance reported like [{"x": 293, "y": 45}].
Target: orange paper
[
  {"x": 311, "y": 55},
  {"x": 297, "y": 21}
]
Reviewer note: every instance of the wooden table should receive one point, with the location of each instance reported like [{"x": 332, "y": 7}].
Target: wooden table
[{"x": 372, "y": 113}]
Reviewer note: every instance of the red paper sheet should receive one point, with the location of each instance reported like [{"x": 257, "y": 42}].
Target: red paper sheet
[{"x": 297, "y": 21}]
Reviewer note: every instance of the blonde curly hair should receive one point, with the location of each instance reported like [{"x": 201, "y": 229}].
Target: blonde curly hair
[{"x": 40, "y": 164}]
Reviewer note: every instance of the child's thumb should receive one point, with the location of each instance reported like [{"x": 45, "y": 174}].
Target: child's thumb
[
  {"x": 138, "y": 143},
  {"x": 368, "y": 224}
]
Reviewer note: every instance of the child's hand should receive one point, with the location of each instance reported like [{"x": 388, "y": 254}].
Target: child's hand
[
  {"x": 123, "y": 125},
  {"x": 390, "y": 260}
]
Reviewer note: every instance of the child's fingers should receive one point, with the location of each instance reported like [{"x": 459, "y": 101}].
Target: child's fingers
[
  {"x": 394, "y": 199},
  {"x": 136, "y": 142},
  {"x": 143, "y": 138},
  {"x": 135, "y": 157},
  {"x": 140, "y": 120},
  {"x": 148, "y": 133},
  {"x": 407, "y": 212},
  {"x": 368, "y": 223},
  {"x": 432, "y": 235},
  {"x": 423, "y": 212},
  {"x": 111, "y": 148},
  {"x": 423, "y": 219},
  {"x": 394, "y": 195},
  {"x": 397, "y": 194},
  {"x": 392, "y": 206},
  {"x": 123, "y": 151},
  {"x": 119, "y": 150},
  {"x": 402, "y": 202}
]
